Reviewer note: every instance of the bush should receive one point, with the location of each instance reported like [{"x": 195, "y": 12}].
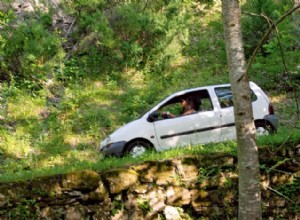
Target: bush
[{"x": 30, "y": 50}]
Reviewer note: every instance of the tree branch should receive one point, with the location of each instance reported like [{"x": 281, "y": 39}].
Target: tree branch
[
  {"x": 266, "y": 35},
  {"x": 280, "y": 194},
  {"x": 270, "y": 22}
]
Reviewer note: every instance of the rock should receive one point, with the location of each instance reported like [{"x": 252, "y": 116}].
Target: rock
[
  {"x": 230, "y": 197},
  {"x": 281, "y": 178},
  {"x": 178, "y": 196},
  {"x": 166, "y": 174},
  {"x": 48, "y": 213},
  {"x": 137, "y": 214},
  {"x": 153, "y": 190},
  {"x": 163, "y": 173},
  {"x": 14, "y": 192},
  {"x": 140, "y": 188},
  {"x": 74, "y": 194},
  {"x": 278, "y": 202},
  {"x": 142, "y": 167},
  {"x": 82, "y": 181},
  {"x": 297, "y": 149},
  {"x": 121, "y": 214},
  {"x": 171, "y": 213},
  {"x": 3, "y": 200},
  {"x": 148, "y": 175},
  {"x": 147, "y": 205},
  {"x": 75, "y": 213},
  {"x": 100, "y": 209},
  {"x": 128, "y": 177},
  {"x": 200, "y": 200},
  {"x": 100, "y": 215},
  {"x": 188, "y": 170},
  {"x": 222, "y": 180},
  {"x": 99, "y": 194},
  {"x": 198, "y": 194},
  {"x": 156, "y": 198}
]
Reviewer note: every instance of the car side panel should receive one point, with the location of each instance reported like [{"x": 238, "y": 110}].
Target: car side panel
[
  {"x": 197, "y": 128},
  {"x": 140, "y": 128},
  {"x": 175, "y": 132}
]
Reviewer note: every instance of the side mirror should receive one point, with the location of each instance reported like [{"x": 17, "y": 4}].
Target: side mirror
[{"x": 153, "y": 116}]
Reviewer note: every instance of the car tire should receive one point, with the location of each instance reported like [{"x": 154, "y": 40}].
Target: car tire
[
  {"x": 137, "y": 148},
  {"x": 263, "y": 128}
]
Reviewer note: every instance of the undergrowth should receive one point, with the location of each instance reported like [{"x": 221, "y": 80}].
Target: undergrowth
[
  {"x": 55, "y": 109},
  {"x": 74, "y": 161}
]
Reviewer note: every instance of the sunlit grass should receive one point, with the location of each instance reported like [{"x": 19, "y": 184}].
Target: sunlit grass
[
  {"x": 88, "y": 157},
  {"x": 68, "y": 138},
  {"x": 17, "y": 145},
  {"x": 91, "y": 159},
  {"x": 25, "y": 106},
  {"x": 285, "y": 135}
]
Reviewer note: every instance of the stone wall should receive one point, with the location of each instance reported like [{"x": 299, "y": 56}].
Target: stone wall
[{"x": 193, "y": 187}]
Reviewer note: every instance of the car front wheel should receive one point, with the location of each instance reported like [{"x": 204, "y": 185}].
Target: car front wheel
[
  {"x": 137, "y": 148},
  {"x": 263, "y": 128}
]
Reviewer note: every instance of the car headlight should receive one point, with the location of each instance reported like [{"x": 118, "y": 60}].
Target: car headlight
[{"x": 105, "y": 142}]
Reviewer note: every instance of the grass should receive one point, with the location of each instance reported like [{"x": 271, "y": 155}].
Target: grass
[
  {"x": 39, "y": 138},
  {"x": 89, "y": 158},
  {"x": 102, "y": 164}
]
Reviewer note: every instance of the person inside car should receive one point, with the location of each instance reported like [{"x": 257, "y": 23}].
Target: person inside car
[{"x": 187, "y": 105}]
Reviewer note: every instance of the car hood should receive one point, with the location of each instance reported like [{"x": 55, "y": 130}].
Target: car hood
[{"x": 133, "y": 129}]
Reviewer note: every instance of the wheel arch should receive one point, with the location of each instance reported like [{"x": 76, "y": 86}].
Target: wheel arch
[
  {"x": 138, "y": 139},
  {"x": 264, "y": 122}
]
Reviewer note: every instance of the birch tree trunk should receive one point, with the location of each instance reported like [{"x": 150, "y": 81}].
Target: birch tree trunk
[{"x": 248, "y": 164}]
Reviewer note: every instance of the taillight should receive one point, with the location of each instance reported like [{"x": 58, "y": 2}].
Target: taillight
[{"x": 271, "y": 109}]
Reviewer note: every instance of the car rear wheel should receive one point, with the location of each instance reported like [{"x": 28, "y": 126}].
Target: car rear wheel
[
  {"x": 263, "y": 128},
  {"x": 137, "y": 148}
]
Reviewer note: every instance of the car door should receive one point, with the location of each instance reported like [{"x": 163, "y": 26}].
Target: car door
[
  {"x": 200, "y": 127},
  {"x": 176, "y": 132},
  {"x": 225, "y": 99}
]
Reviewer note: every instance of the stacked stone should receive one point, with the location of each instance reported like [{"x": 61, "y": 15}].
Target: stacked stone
[{"x": 203, "y": 186}]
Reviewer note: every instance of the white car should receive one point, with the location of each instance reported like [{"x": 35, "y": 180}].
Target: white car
[{"x": 213, "y": 121}]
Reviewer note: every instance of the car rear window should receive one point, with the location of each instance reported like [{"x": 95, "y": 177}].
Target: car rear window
[{"x": 224, "y": 95}]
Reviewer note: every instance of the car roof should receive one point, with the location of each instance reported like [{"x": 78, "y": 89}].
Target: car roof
[
  {"x": 191, "y": 90},
  {"x": 204, "y": 87}
]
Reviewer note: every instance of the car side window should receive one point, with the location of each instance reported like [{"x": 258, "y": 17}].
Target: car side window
[
  {"x": 206, "y": 104},
  {"x": 224, "y": 95},
  {"x": 200, "y": 99}
]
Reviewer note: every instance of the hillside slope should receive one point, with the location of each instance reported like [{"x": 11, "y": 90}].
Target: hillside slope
[{"x": 73, "y": 72}]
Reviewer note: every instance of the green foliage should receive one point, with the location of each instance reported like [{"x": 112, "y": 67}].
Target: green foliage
[
  {"x": 144, "y": 205},
  {"x": 130, "y": 34},
  {"x": 204, "y": 173},
  {"x": 29, "y": 50},
  {"x": 255, "y": 26},
  {"x": 291, "y": 191},
  {"x": 280, "y": 51},
  {"x": 117, "y": 206},
  {"x": 26, "y": 209},
  {"x": 123, "y": 57}
]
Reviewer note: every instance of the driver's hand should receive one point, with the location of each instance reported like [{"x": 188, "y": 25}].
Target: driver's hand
[{"x": 165, "y": 114}]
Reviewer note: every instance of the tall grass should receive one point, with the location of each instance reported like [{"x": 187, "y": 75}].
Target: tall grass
[
  {"x": 90, "y": 159},
  {"x": 41, "y": 137}
]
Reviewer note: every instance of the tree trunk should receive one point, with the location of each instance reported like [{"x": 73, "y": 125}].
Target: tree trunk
[{"x": 248, "y": 164}]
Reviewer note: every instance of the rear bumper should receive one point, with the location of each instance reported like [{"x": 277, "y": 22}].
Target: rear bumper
[
  {"x": 273, "y": 120},
  {"x": 115, "y": 149}
]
